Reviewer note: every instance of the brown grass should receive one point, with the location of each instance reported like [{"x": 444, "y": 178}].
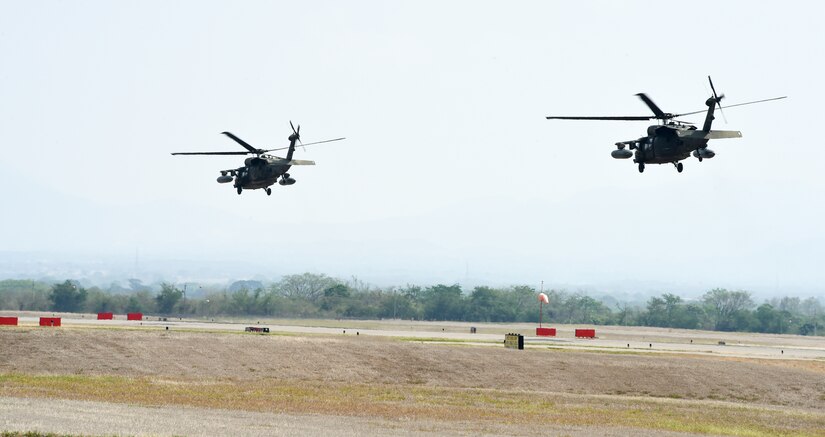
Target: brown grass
[
  {"x": 426, "y": 403},
  {"x": 369, "y": 376}
]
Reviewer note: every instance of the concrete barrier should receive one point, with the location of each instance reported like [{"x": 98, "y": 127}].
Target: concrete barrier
[
  {"x": 585, "y": 333},
  {"x": 50, "y": 321},
  {"x": 8, "y": 321}
]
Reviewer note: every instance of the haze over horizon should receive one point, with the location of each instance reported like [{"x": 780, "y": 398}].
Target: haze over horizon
[{"x": 450, "y": 172}]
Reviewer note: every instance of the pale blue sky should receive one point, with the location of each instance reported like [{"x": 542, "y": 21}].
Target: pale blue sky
[{"x": 450, "y": 170}]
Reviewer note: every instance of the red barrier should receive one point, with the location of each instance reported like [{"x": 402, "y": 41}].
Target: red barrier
[
  {"x": 8, "y": 321},
  {"x": 105, "y": 316},
  {"x": 586, "y": 333},
  {"x": 50, "y": 321},
  {"x": 546, "y": 332},
  {"x": 134, "y": 316}
]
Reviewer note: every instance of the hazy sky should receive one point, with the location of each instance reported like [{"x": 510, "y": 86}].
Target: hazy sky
[{"x": 450, "y": 171}]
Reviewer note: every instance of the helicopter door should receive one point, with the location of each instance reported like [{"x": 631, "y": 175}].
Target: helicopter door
[{"x": 648, "y": 148}]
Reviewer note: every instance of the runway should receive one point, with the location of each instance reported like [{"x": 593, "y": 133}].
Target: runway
[{"x": 609, "y": 338}]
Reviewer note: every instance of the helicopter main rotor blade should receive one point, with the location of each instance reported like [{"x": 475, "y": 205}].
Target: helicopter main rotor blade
[
  {"x": 659, "y": 113},
  {"x": 211, "y": 153},
  {"x": 241, "y": 142},
  {"x": 733, "y": 106},
  {"x": 619, "y": 118},
  {"x": 307, "y": 144}
]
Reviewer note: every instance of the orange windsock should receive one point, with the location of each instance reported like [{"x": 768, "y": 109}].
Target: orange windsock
[{"x": 543, "y": 298}]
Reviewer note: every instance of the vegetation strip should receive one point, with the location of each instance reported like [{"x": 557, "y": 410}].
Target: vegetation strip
[
  {"x": 434, "y": 403},
  {"x": 319, "y": 296}
]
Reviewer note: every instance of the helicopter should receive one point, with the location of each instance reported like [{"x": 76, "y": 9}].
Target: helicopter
[
  {"x": 672, "y": 140},
  {"x": 262, "y": 170}
]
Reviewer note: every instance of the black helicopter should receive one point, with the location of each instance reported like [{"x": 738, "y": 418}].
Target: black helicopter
[
  {"x": 673, "y": 140},
  {"x": 262, "y": 170}
]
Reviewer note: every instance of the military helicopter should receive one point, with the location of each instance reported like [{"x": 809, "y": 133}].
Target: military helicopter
[
  {"x": 262, "y": 170},
  {"x": 672, "y": 140}
]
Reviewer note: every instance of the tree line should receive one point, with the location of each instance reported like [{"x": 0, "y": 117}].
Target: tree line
[{"x": 319, "y": 296}]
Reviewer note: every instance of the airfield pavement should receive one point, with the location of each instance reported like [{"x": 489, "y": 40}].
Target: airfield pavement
[{"x": 308, "y": 377}]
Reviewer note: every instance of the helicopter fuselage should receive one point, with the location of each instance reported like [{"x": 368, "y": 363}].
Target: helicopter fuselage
[
  {"x": 668, "y": 143},
  {"x": 261, "y": 172}
]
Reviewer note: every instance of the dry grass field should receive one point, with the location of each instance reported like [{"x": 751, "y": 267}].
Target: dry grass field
[{"x": 400, "y": 386}]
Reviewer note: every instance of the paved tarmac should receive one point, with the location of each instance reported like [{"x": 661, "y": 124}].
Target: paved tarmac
[{"x": 610, "y": 338}]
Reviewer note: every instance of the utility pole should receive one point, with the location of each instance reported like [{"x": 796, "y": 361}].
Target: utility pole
[
  {"x": 184, "y": 297},
  {"x": 541, "y": 303}
]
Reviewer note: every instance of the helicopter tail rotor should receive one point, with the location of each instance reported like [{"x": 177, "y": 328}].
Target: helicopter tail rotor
[
  {"x": 717, "y": 99},
  {"x": 296, "y": 134}
]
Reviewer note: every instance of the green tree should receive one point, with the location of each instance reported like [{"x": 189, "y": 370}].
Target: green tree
[
  {"x": 67, "y": 297},
  {"x": 141, "y": 302},
  {"x": 337, "y": 299},
  {"x": 656, "y": 314},
  {"x": 626, "y": 314},
  {"x": 443, "y": 302},
  {"x": 723, "y": 305},
  {"x": 688, "y": 316},
  {"x": 520, "y": 304},
  {"x": 338, "y": 290},
  {"x": 99, "y": 301},
  {"x": 400, "y": 305},
  {"x": 767, "y": 319},
  {"x": 306, "y": 286},
  {"x": 484, "y": 305},
  {"x": 810, "y": 328},
  {"x": 413, "y": 292},
  {"x": 167, "y": 298},
  {"x": 24, "y": 295},
  {"x": 673, "y": 305}
]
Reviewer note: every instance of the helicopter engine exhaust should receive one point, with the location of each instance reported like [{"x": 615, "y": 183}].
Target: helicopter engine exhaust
[
  {"x": 287, "y": 181},
  {"x": 224, "y": 179},
  {"x": 704, "y": 153}
]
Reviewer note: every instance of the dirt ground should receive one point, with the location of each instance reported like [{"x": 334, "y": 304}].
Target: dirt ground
[
  {"x": 347, "y": 359},
  {"x": 178, "y": 355}
]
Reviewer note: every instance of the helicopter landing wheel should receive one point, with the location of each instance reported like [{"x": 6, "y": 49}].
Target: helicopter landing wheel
[
  {"x": 239, "y": 190},
  {"x": 700, "y": 159},
  {"x": 679, "y": 167},
  {"x": 268, "y": 191},
  {"x": 641, "y": 167}
]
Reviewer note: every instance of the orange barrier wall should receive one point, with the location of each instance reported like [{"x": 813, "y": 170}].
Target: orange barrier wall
[
  {"x": 546, "y": 332},
  {"x": 134, "y": 316},
  {"x": 50, "y": 321},
  {"x": 8, "y": 321},
  {"x": 105, "y": 316},
  {"x": 586, "y": 333}
]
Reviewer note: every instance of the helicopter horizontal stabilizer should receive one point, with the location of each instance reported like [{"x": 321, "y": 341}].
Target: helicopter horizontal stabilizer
[
  {"x": 719, "y": 134},
  {"x": 713, "y": 135},
  {"x": 300, "y": 162}
]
